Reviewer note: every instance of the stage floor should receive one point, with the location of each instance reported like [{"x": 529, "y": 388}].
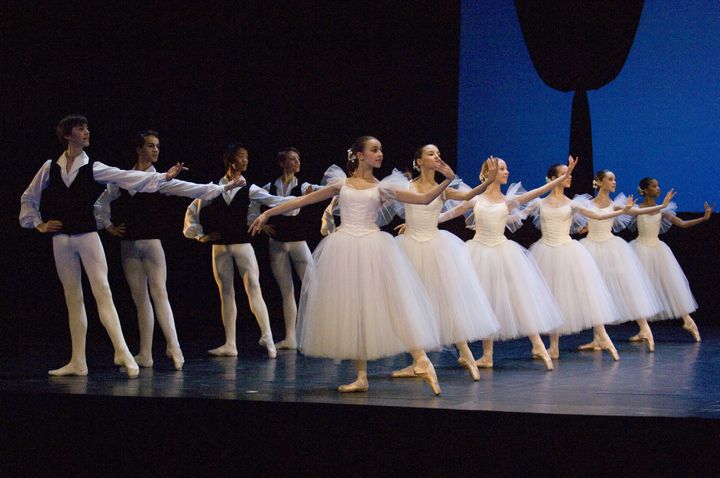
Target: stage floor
[{"x": 679, "y": 380}]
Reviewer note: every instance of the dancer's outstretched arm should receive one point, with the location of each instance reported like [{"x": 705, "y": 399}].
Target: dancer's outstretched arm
[
  {"x": 530, "y": 195},
  {"x": 456, "y": 195},
  {"x": 414, "y": 197},
  {"x": 306, "y": 200},
  {"x": 693, "y": 222}
]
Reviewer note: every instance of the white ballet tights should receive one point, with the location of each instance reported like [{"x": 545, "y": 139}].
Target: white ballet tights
[
  {"x": 281, "y": 254},
  {"x": 144, "y": 265},
  {"x": 243, "y": 257},
  {"x": 72, "y": 253}
]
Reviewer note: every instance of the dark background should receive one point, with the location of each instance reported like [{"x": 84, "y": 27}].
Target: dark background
[{"x": 314, "y": 76}]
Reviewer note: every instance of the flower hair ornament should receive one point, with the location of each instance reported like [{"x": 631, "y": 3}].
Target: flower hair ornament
[
  {"x": 595, "y": 184},
  {"x": 641, "y": 191},
  {"x": 483, "y": 178},
  {"x": 351, "y": 156},
  {"x": 415, "y": 165},
  {"x": 548, "y": 180}
]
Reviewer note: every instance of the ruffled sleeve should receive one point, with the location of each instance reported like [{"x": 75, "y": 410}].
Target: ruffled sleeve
[
  {"x": 518, "y": 212},
  {"x": 532, "y": 209},
  {"x": 458, "y": 185},
  {"x": 579, "y": 220},
  {"x": 623, "y": 221},
  {"x": 390, "y": 207},
  {"x": 667, "y": 214},
  {"x": 334, "y": 177}
]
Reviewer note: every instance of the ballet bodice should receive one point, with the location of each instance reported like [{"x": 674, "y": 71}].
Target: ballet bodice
[
  {"x": 648, "y": 226},
  {"x": 421, "y": 220},
  {"x": 490, "y": 221},
  {"x": 600, "y": 230},
  {"x": 359, "y": 210},
  {"x": 555, "y": 224}
]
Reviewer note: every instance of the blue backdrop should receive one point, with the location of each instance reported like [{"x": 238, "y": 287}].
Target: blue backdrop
[{"x": 660, "y": 117}]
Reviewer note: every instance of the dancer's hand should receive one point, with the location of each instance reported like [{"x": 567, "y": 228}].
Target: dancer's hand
[
  {"x": 308, "y": 190},
  {"x": 117, "y": 231},
  {"x": 708, "y": 211},
  {"x": 212, "y": 237},
  {"x": 441, "y": 166},
  {"x": 173, "y": 172},
  {"x": 572, "y": 162},
  {"x": 400, "y": 229},
  {"x": 668, "y": 197},
  {"x": 629, "y": 204},
  {"x": 52, "y": 225},
  {"x": 492, "y": 168},
  {"x": 236, "y": 182},
  {"x": 257, "y": 225}
]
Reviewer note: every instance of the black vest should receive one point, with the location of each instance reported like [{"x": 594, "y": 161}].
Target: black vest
[
  {"x": 289, "y": 228},
  {"x": 140, "y": 213},
  {"x": 73, "y": 206},
  {"x": 230, "y": 220}
]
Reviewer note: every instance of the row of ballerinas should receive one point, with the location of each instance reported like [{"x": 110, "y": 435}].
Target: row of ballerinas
[
  {"x": 368, "y": 296},
  {"x": 357, "y": 323}
]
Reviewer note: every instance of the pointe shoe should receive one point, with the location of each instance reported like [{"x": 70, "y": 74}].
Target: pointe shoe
[
  {"x": 646, "y": 337},
  {"x": 131, "y": 367},
  {"x": 544, "y": 356},
  {"x": 484, "y": 362},
  {"x": 224, "y": 351},
  {"x": 267, "y": 342},
  {"x": 426, "y": 371},
  {"x": 69, "y": 370},
  {"x": 590, "y": 346},
  {"x": 177, "y": 357},
  {"x": 650, "y": 343},
  {"x": 692, "y": 328},
  {"x": 637, "y": 338},
  {"x": 139, "y": 359},
  {"x": 471, "y": 367},
  {"x": 407, "y": 372},
  {"x": 554, "y": 353},
  {"x": 288, "y": 344},
  {"x": 355, "y": 387},
  {"x": 610, "y": 348}
]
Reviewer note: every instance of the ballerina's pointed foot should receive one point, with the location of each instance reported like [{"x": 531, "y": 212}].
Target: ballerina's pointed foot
[
  {"x": 224, "y": 351},
  {"x": 129, "y": 363},
  {"x": 176, "y": 355},
  {"x": 638, "y": 338},
  {"x": 590, "y": 346},
  {"x": 542, "y": 354},
  {"x": 70, "y": 370},
  {"x": 471, "y": 368},
  {"x": 646, "y": 337},
  {"x": 610, "y": 348},
  {"x": 141, "y": 360},
  {"x": 554, "y": 353},
  {"x": 407, "y": 372},
  {"x": 484, "y": 362},
  {"x": 359, "y": 385},
  {"x": 267, "y": 342},
  {"x": 288, "y": 344},
  {"x": 426, "y": 371},
  {"x": 692, "y": 328}
]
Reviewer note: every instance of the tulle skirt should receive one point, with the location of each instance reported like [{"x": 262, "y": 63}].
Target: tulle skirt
[
  {"x": 521, "y": 300},
  {"x": 668, "y": 278},
  {"x": 578, "y": 287},
  {"x": 630, "y": 287},
  {"x": 459, "y": 302},
  {"x": 363, "y": 300}
]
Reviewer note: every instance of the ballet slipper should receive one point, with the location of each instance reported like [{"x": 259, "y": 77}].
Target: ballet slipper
[
  {"x": 638, "y": 338},
  {"x": 267, "y": 342},
  {"x": 290, "y": 344},
  {"x": 71, "y": 369},
  {"x": 177, "y": 357},
  {"x": 407, "y": 372},
  {"x": 691, "y": 327},
  {"x": 484, "y": 362},
  {"x": 650, "y": 342},
  {"x": 608, "y": 346},
  {"x": 646, "y": 337},
  {"x": 553, "y": 352},
  {"x": 426, "y": 371},
  {"x": 590, "y": 346},
  {"x": 145, "y": 362},
  {"x": 359, "y": 385},
  {"x": 224, "y": 351},
  {"x": 542, "y": 354},
  {"x": 471, "y": 367},
  {"x": 131, "y": 367}
]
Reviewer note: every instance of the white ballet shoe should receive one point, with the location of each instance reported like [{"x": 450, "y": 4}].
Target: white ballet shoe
[
  {"x": 357, "y": 386},
  {"x": 471, "y": 367},
  {"x": 177, "y": 357},
  {"x": 131, "y": 366},
  {"x": 608, "y": 346},
  {"x": 637, "y": 338},
  {"x": 484, "y": 362},
  {"x": 267, "y": 342},
  {"x": 590, "y": 346},
  {"x": 692, "y": 328},
  {"x": 71, "y": 369},
  {"x": 289, "y": 344},
  {"x": 407, "y": 372},
  {"x": 426, "y": 371},
  {"x": 553, "y": 352},
  {"x": 224, "y": 351},
  {"x": 145, "y": 362},
  {"x": 542, "y": 354}
]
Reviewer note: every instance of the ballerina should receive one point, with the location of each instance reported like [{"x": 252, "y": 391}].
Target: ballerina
[
  {"x": 631, "y": 288},
  {"x": 362, "y": 300},
  {"x": 141, "y": 251},
  {"x": 670, "y": 282},
  {"x": 68, "y": 188},
  {"x": 443, "y": 264},
  {"x": 569, "y": 269},
  {"x": 224, "y": 224},
  {"x": 521, "y": 299}
]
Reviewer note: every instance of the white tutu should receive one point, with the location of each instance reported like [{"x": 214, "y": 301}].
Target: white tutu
[
  {"x": 577, "y": 284},
  {"x": 459, "y": 302},
  {"x": 515, "y": 288},
  {"x": 668, "y": 278},
  {"x": 630, "y": 287}
]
